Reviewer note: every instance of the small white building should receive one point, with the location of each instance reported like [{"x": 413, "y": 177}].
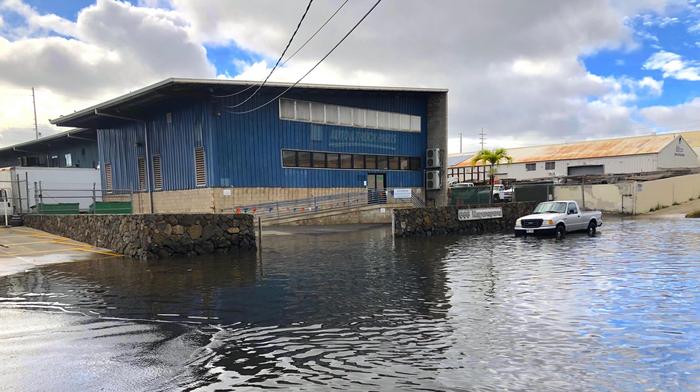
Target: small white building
[{"x": 637, "y": 154}]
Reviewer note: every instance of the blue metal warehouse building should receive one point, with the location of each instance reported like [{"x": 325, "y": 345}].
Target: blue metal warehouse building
[
  {"x": 74, "y": 148},
  {"x": 197, "y": 145}
]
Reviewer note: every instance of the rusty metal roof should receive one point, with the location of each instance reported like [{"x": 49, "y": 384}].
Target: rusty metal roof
[{"x": 636, "y": 145}]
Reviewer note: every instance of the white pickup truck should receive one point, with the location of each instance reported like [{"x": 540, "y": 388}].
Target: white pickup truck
[{"x": 558, "y": 218}]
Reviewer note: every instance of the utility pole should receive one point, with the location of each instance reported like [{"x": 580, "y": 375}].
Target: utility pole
[
  {"x": 36, "y": 125},
  {"x": 460, "y": 143},
  {"x": 481, "y": 136}
]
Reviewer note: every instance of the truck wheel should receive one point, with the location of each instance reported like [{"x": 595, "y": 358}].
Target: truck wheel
[
  {"x": 592, "y": 227},
  {"x": 560, "y": 232}
]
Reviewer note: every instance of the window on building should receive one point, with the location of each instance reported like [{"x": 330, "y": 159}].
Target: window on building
[
  {"x": 331, "y": 114},
  {"x": 333, "y": 161},
  {"x": 358, "y": 161},
  {"x": 69, "y": 160},
  {"x": 319, "y": 159},
  {"x": 289, "y": 158},
  {"x": 371, "y": 161},
  {"x": 157, "y": 173},
  {"x": 323, "y": 160},
  {"x": 403, "y": 163},
  {"x": 141, "y": 164},
  {"x": 549, "y": 165},
  {"x": 287, "y": 109},
  {"x": 303, "y": 111},
  {"x": 414, "y": 163},
  {"x": 345, "y": 161},
  {"x": 394, "y": 163},
  {"x": 200, "y": 173},
  {"x": 530, "y": 166},
  {"x": 317, "y": 112},
  {"x": 383, "y": 162},
  {"x": 303, "y": 159},
  {"x": 108, "y": 177}
]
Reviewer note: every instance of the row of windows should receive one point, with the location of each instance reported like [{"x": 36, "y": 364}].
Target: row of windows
[
  {"x": 327, "y": 160},
  {"x": 547, "y": 166},
  {"x": 293, "y": 109}
]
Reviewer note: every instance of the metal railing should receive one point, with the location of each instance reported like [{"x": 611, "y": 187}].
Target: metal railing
[{"x": 312, "y": 205}]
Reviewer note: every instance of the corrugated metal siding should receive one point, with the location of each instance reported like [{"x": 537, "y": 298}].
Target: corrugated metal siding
[
  {"x": 248, "y": 147},
  {"x": 245, "y": 150}
]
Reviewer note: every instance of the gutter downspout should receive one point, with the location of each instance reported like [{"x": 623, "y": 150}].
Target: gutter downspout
[{"x": 148, "y": 153}]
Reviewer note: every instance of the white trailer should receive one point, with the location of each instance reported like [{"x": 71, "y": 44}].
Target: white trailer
[{"x": 28, "y": 186}]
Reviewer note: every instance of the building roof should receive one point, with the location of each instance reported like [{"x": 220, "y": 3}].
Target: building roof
[
  {"x": 131, "y": 105},
  {"x": 636, "y": 145},
  {"x": 46, "y": 141},
  {"x": 693, "y": 138}
]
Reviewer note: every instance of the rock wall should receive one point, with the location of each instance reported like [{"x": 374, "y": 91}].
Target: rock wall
[
  {"x": 443, "y": 220},
  {"x": 154, "y": 236}
]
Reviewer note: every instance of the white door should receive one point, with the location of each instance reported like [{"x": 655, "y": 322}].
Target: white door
[{"x": 573, "y": 218}]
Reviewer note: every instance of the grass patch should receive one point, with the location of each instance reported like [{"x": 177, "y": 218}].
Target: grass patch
[{"x": 695, "y": 214}]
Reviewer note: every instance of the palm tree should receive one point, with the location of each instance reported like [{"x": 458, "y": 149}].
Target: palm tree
[{"x": 493, "y": 158}]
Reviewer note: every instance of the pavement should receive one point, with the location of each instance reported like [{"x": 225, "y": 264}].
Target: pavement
[
  {"x": 23, "y": 248},
  {"x": 677, "y": 211}
]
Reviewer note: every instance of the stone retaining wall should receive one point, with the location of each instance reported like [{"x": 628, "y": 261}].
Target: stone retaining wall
[
  {"x": 443, "y": 220},
  {"x": 154, "y": 236}
]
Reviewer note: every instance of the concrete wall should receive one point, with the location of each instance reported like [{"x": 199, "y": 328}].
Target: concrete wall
[
  {"x": 666, "y": 192},
  {"x": 633, "y": 197},
  {"x": 437, "y": 138},
  {"x": 443, "y": 220},
  {"x": 153, "y": 236}
]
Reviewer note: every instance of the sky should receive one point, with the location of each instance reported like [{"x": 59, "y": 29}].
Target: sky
[{"x": 526, "y": 72}]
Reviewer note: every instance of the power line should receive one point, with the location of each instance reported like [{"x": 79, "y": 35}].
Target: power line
[
  {"x": 306, "y": 11},
  {"x": 293, "y": 54},
  {"x": 314, "y": 67}
]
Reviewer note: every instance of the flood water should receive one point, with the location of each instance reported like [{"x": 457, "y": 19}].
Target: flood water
[{"x": 361, "y": 311}]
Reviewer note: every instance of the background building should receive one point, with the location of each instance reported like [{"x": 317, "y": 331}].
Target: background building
[
  {"x": 637, "y": 154},
  {"x": 74, "y": 148},
  {"x": 203, "y": 145}
]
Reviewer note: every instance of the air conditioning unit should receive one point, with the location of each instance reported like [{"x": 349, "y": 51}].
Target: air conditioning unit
[
  {"x": 433, "y": 158},
  {"x": 432, "y": 180}
]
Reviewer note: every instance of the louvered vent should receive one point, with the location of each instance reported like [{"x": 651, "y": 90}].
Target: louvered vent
[
  {"x": 142, "y": 173},
  {"x": 200, "y": 171},
  {"x": 108, "y": 177},
  {"x": 157, "y": 174}
]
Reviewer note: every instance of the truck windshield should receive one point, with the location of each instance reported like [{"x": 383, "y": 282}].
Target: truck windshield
[{"x": 550, "y": 206}]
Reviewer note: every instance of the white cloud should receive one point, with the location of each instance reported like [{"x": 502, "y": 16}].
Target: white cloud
[
  {"x": 685, "y": 116},
  {"x": 655, "y": 86},
  {"x": 673, "y": 66}
]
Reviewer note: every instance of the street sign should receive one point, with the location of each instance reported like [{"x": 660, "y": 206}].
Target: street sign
[{"x": 479, "y": 213}]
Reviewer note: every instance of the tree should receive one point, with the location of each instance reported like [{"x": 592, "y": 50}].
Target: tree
[{"x": 493, "y": 158}]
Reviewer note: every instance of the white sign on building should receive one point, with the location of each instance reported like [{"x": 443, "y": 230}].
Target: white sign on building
[
  {"x": 479, "y": 213},
  {"x": 402, "y": 193}
]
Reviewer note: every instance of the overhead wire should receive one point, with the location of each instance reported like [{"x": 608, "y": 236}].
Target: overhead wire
[
  {"x": 318, "y": 30},
  {"x": 312, "y": 68},
  {"x": 289, "y": 43}
]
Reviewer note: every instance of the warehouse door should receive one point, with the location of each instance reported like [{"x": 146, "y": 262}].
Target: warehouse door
[
  {"x": 586, "y": 170},
  {"x": 376, "y": 188}
]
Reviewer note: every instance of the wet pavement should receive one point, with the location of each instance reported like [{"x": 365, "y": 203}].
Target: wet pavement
[
  {"x": 22, "y": 248},
  {"x": 358, "y": 310}
]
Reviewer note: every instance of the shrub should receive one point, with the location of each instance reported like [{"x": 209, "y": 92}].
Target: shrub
[{"x": 695, "y": 214}]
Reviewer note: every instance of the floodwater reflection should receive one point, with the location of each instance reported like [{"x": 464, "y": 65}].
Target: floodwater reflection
[{"x": 361, "y": 311}]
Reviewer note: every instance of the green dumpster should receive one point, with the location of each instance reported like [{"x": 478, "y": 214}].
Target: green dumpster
[{"x": 111, "y": 207}]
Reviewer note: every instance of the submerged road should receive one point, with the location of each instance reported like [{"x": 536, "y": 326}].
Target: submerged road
[{"x": 358, "y": 310}]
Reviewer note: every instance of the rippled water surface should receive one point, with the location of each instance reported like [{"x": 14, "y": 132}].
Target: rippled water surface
[{"x": 361, "y": 311}]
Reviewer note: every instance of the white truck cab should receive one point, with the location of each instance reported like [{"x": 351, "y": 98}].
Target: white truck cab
[{"x": 558, "y": 218}]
